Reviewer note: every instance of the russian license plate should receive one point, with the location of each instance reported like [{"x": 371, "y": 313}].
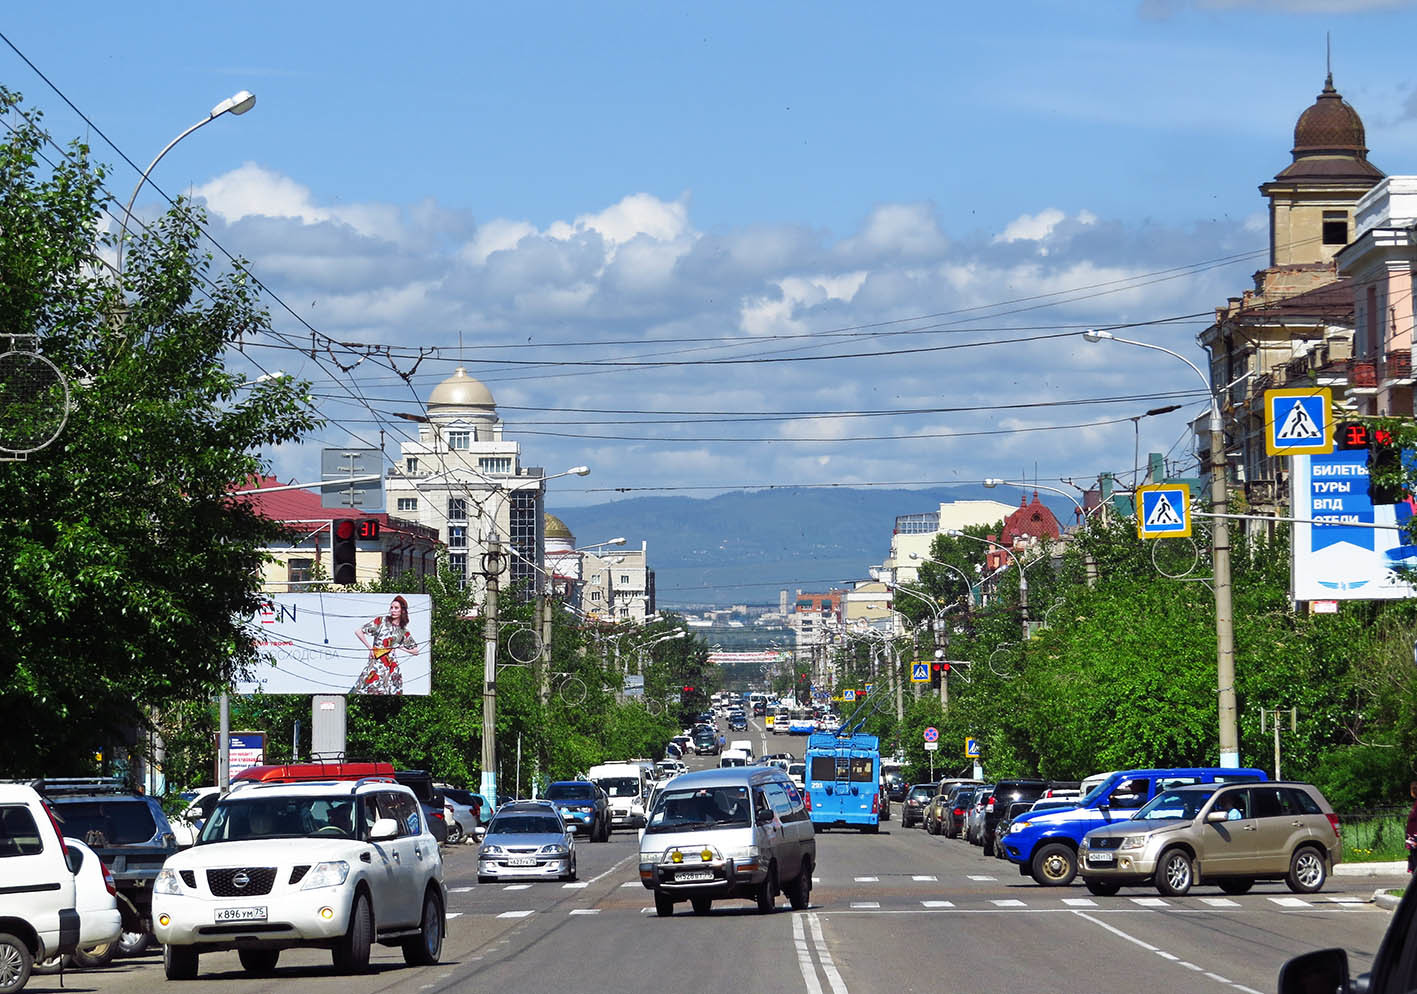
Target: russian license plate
[
  {"x": 240, "y": 914},
  {"x": 523, "y": 861},
  {"x": 693, "y": 875},
  {"x": 1100, "y": 857}
]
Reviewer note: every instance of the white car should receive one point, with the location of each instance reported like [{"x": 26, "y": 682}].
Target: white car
[
  {"x": 338, "y": 865},
  {"x": 188, "y": 824},
  {"x": 39, "y": 884},
  {"x": 96, "y": 899}
]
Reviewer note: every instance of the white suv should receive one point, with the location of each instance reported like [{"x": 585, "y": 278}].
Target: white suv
[
  {"x": 332, "y": 864},
  {"x": 38, "y": 919}
]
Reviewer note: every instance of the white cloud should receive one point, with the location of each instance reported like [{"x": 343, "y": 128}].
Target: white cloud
[
  {"x": 254, "y": 191},
  {"x": 1031, "y": 227}
]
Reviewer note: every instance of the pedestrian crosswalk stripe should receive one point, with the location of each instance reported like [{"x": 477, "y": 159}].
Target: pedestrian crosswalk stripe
[
  {"x": 452, "y": 914},
  {"x": 1149, "y": 902},
  {"x": 1220, "y": 902},
  {"x": 1079, "y": 902},
  {"x": 1290, "y": 902},
  {"x": 1298, "y": 426},
  {"x": 458, "y": 890},
  {"x": 516, "y": 914},
  {"x": 517, "y": 887},
  {"x": 865, "y": 905},
  {"x": 1008, "y": 903},
  {"x": 982, "y": 879},
  {"x": 867, "y": 880},
  {"x": 631, "y": 883},
  {"x": 576, "y": 886},
  {"x": 924, "y": 878},
  {"x": 585, "y": 911},
  {"x": 938, "y": 904}
]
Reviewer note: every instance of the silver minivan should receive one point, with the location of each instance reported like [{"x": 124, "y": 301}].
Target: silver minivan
[{"x": 742, "y": 833}]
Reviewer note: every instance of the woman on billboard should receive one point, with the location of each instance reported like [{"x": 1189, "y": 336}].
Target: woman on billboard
[{"x": 382, "y": 637}]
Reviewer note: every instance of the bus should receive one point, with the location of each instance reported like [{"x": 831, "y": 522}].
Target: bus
[
  {"x": 843, "y": 781},
  {"x": 802, "y": 722}
]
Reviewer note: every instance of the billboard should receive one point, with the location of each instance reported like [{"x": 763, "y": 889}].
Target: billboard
[
  {"x": 1349, "y": 560},
  {"x": 342, "y": 643}
]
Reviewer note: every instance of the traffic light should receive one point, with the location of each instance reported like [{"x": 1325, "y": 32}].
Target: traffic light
[
  {"x": 346, "y": 532},
  {"x": 1385, "y": 469}
]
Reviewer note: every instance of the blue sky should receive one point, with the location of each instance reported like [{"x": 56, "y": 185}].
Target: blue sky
[{"x": 591, "y": 177}]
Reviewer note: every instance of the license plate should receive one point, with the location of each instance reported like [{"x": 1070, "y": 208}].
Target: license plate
[
  {"x": 521, "y": 862},
  {"x": 1100, "y": 857},
  {"x": 690, "y": 877},
  {"x": 240, "y": 914}
]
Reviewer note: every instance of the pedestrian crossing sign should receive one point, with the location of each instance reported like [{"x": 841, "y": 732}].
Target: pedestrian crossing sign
[
  {"x": 848, "y": 695},
  {"x": 1164, "y": 511},
  {"x": 919, "y": 672},
  {"x": 1298, "y": 421}
]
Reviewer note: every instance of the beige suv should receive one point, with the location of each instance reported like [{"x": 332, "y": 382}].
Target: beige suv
[{"x": 1226, "y": 834}]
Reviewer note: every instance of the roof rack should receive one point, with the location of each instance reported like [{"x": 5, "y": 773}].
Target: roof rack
[{"x": 59, "y": 786}]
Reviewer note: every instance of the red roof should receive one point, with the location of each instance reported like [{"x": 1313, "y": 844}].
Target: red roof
[
  {"x": 1030, "y": 521},
  {"x": 303, "y": 506}
]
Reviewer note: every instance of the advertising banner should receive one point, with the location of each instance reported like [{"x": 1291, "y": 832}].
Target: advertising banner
[
  {"x": 246, "y": 749},
  {"x": 342, "y": 643},
  {"x": 1349, "y": 560}
]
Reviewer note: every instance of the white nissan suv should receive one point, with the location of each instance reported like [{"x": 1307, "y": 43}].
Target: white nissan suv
[{"x": 332, "y": 864}]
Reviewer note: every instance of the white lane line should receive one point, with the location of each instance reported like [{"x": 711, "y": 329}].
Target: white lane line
[
  {"x": 982, "y": 879},
  {"x": 517, "y": 887},
  {"x": 1079, "y": 902},
  {"x": 1007, "y": 903},
  {"x": 1164, "y": 955},
  {"x": 863, "y": 905},
  {"x": 601, "y": 876},
  {"x": 804, "y": 956},
  {"x": 867, "y": 880},
  {"x": 516, "y": 914},
  {"x": 838, "y": 985},
  {"x": 585, "y": 911},
  {"x": 1150, "y": 902},
  {"x": 1218, "y": 978},
  {"x": 1290, "y": 902},
  {"x": 1115, "y": 931},
  {"x": 576, "y": 886},
  {"x": 1245, "y": 990},
  {"x": 458, "y": 890},
  {"x": 629, "y": 883},
  {"x": 1220, "y": 902},
  {"x": 925, "y": 878},
  {"x": 452, "y": 914},
  {"x": 938, "y": 904},
  {"x": 645, "y": 911},
  {"x": 1188, "y": 965}
]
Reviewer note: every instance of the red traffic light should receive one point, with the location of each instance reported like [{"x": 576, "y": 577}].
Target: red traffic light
[
  {"x": 945, "y": 667},
  {"x": 344, "y": 529},
  {"x": 688, "y": 690}
]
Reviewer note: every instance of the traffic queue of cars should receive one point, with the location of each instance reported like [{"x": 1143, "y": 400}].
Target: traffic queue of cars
[{"x": 1171, "y": 829}]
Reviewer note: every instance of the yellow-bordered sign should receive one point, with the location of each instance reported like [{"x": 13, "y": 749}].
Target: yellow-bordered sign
[
  {"x": 1298, "y": 421},
  {"x": 1164, "y": 511}
]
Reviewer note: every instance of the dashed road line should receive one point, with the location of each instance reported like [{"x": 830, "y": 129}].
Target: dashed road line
[
  {"x": 1008, "y": 903},
  {"x": 1220, "y": 902},
  {"x": 1165, "y": 955},
  {"x": 517, "y": 887},
  {"x": 459, "y": 890},
  {"x": 516, "y": 914},
  {"x": 579, "y": 885},
  {"x": 630, "y": 883},
  {"x": 925, "y": 878},
  {"x": 982, "y": 879},
  {"x": 938, "y": 904},
  {"x": 585, "y": 911},
  {"x": 1290, "y": 902},
  {"x": 867, "y": 880},
  {"x": 1150, "y": 902},
  {"x": 864, "y": 905}
]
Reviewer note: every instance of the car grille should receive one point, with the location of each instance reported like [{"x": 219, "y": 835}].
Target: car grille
[
  {"x": 1105, "y": 843},
  {"x": 222, "y": 882},
  {"x": 189, "y": 877}
]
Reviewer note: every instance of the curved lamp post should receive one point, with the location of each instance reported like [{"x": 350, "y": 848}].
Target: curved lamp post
[
  {"x": 1229, "y": 732},
  {"x": 237, "y": 103},
  {"x": 1022, "y": 576}
]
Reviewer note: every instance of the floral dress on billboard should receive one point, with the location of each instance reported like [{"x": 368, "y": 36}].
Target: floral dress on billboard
[{"x": 381, "y": 674}]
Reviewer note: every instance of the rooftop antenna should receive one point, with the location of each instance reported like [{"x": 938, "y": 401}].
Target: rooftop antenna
[{"x": 1328, "y": 55}]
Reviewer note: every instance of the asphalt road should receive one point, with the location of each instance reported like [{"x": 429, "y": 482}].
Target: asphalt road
[{"x": 896, "y": 912}]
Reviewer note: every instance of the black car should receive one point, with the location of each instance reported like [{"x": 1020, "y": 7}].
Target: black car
[
  {"x": 128, "y": 832},
  {"x": 894, "y": 785},
  {"x": 760, "y": 708},
  {"x": 430, "y": 799},
  {"x": 960, "y": 798},
  {"x": 913, "y": 810},
  {"x": 1006, "y": 792}
]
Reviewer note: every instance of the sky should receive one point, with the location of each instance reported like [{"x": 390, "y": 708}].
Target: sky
[{"x": 870, "y": 235}]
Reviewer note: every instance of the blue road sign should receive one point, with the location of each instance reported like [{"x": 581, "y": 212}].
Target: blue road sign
[
  {"x": 848, "y": 695},
  {"x": 932, "y": 734},
  {"x": 870, "y": 687},
  {"x": 1164, "y": 511},
  {"x": 919, "y": 672},
  {"x": 971, "y": 748},
  {"x": 1298, "y": 421}
]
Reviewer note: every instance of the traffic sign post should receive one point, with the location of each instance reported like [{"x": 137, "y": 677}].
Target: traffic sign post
[
  {"x": 971, "y": 748},
  {"x": 919, "y": 672},
  {"x": 1298, "y": 421},
  {"x": 1164, "y": 511},
  {"x": 848, "y": 695}
]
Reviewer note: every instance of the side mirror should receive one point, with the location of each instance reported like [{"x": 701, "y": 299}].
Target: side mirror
[
  {"x": 1212, "y": 817},
  {"x": 384, "y": 828},
  {"x": 480, "y": 832},
  {"x": 1323, "y": 970}
]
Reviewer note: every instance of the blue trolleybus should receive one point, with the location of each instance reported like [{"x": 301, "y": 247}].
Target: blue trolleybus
[{"x": 843, "y": 780}]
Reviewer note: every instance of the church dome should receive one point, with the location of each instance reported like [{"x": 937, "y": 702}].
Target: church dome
[
  {"x": 556, "y": 528},
  {"x": 461, "y": 390},
  {"x": 1330, "y": 125}
]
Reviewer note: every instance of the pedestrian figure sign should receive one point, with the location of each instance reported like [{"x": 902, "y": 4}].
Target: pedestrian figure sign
[
  {"x": 1164, "y": 511},
  {"x": 848, "y": 695},
  {"x": 919, "y": 672},
  {"x": 1298, "y": 421},
  {"x": 971, "y": 748}
]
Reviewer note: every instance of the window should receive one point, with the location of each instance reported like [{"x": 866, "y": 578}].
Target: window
[
  {"x": 459, "y": 439},
  {"x": 298, "y": 570},
  {"x": 411, "y": 464},
  {"x": 595, "y": 595},
  {"x": 19, "y": 835},
  {"x": 1335, "y": 230},
  {"x": 457, "y": 536},
  {"x": 457, "y": 562},
  {"x": 525, "y": 519},
  {"x": 457, "y": 509},
  {"x": 624, "y": 577},
  {"x": 408, "y": 504},
  {"x": 495, "y": 464}
]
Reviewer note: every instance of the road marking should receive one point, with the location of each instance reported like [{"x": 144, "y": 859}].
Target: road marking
[
  {"x": 452, "y": 914},
  {"x": 1188, "y": 965},
  {"x": 576, "y": 886},
  {"x": 982, "y": 879},
  {"x": 838, "y": 985},
  {"x": 860, "y": 905},
  {"x": 458, "y": 890},
  {"x": 1290, "y": 902},
  {"x": 1115, "y": 931},
  {"x": 645, "y": 911},
  {"x": 585, "y": 911},
  {"x": 1165, "y": 955},
  {"x": 938, "y": 904},
  {"x": 926, "y": 879},
  {"x": 804, "y": 956},
  {"x": 1218, "y": 978},
  {"x": 1220, "y": 902},
  {"x": 867, "y": 880},
  {"x": 516, "y": 914},
  {"x": 628, "y": 883},
  {"x": 517, "y": 887},
  {"x": 1079, "y": 902},
  {"x": 1168, "y": 956},
  {"x": 607, "y": 873},
  {"x": 1007, "y": 903},
  {"x": 1150, "y": 902}
]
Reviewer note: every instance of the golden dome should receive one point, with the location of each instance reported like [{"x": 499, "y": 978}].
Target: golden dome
[
  {"x": 556, "y": 528},
  {"x": 461, "y": 390}
]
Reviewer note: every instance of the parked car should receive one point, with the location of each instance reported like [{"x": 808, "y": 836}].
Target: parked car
[
  {"x": 463, "y": 812},
  {"x": 199, "y": 805},
  {"x": 334, "y": 865},
  {"x": 100, "y": 924},
  {"x": 932, "y": 819},
  {"x": 957, "y": 804},
  {"x": 994, "y": 845},
  {"x": 129, "y": 832},
  {"x": 1003, "y": 793},
  {"x": 1230, "y": 835},
  {"x": 40, "y": 885},
  {"x": 582, "y": 805},
  {"x": 974, "y": 817},
  {"x": 527, "y": 839},
  {"x": 913, "y": 810}
]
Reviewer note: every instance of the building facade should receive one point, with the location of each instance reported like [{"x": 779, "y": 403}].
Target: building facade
[{"x": 914, "y": 534}]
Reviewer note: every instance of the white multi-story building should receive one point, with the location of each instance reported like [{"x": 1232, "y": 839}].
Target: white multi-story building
[
  {"x": 915, "y": 533},
  {"x": 610, "y": 585},
  {"x": 463, "y": 478}
]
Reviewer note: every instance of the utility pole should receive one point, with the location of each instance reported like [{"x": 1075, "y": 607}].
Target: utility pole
[
  {"x": 543, "y": 656},
  {"x": 1224, "y": 613},
  {"x": 491, "y": 569},
  {"x": 942, "y": 644},
  {"x": 1273, "y": 716},
  {"x": 896, "y": 679}
]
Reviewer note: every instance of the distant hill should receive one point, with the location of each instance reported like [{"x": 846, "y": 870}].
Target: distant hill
[{"x": 744, "y": 546}]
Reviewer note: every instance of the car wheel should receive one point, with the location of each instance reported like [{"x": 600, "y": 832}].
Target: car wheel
[
  {"x": 701, "y": 905},
  {"x": 1102, "y": 888},
  {"x": 15, "y": 963},
  {"x": 95, "y": 957},
  {"x": 455, "y": 833},
  {"x": 179, "y": 962},
  {"x": 767, "y": 892},
  {"x": 424, "y": 948},
  {"x": 1054, "y": 865},
  {"x": 47, "y": 966},
  {"x": 800, "y": 893},
  {"x": 663, "y": 905},
  {"x": 351, "y": 952},
  {"x": 1236, "y": 885},
  {"x": 1175, "y": 873},
  {"x": 989, "y": 845},
  {"x": 258, "y": 962},
  {"x": 1307, "y": 871},
  {"x": 134, "y": 943}
]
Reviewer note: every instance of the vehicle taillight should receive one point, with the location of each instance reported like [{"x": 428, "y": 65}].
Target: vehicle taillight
[
  {"x": 108, "y": 879},
  {"x": 959, "y": 812},
  {"x": 55, "y": 823},
  {"x": 875, "y": 804},
  {"x": 989, "y": 804},
  {"x": 808, "y": 798},
  {"x": 1333, "y": 820}
]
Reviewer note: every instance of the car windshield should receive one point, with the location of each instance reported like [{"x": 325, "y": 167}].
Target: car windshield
[
  {"x": 699, "y": 810},
  {"x": 620, "y": 786},
  {"x": 922, "y": 793},
  {"x": 516, "y": 824},
  {"x": 116, "y": 822},
  {"x": 1175, "y": 804},
  {"x": 287, "y": 817},
  {"x": 570, "y": 792}
]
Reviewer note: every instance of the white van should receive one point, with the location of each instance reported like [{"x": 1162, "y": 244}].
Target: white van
[
  {"x": 742, "y": 745},
  {"x": 626, "y": 786},
  {"x": 734, "y": 757},
  {"x": 38, "y": 872}
]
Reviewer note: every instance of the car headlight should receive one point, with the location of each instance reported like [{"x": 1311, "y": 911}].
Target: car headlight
[
  {"x": 490, "y": 850},
  {"x": 167, "y": 883},
  {"x": 328, "y": 874},
  {"x": 1016, "y": 828},
  {"x": 747, "y": 852},
  {"x": 555, "y": 849},
  {"x": 1133, "y": 842}
]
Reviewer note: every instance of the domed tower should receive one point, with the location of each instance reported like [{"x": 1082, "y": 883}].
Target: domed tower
[
  {"x": 461, "y": 399},
  {"x": 1311, "y": 201},
  {"x": 558, "y": 537}
]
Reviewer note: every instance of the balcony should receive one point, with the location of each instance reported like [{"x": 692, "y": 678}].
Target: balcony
[
  {"x": 1397, "y": 368},
  {"x": 1363, "y": 377}
]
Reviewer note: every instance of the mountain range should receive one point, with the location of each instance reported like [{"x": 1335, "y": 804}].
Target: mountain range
[{"x": 743, "y": 547}]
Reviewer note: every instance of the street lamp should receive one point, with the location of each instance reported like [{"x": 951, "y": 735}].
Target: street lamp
[
  {"x": 953, "y": 569},
  {"x": 237, "y": 103},
  {"x": 1089, "y": 564},
  {"x": 1220, "y": 558},
  {"x": 1022, "y": 576}
]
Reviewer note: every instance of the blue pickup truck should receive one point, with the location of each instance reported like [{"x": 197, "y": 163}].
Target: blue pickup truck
[{"x": 1045, "y": 845}]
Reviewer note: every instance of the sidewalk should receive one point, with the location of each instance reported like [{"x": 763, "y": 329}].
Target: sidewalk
[{"x": 1396, "y": 868}]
